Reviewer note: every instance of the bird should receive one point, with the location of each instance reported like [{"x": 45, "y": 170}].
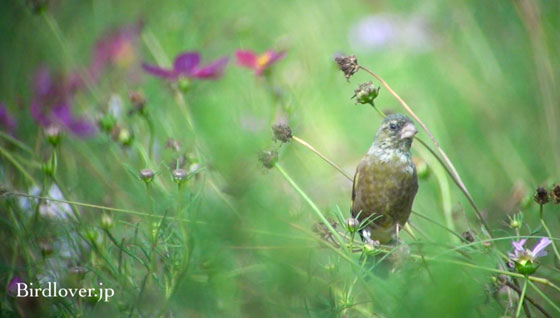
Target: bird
[{"x": 386, "y": 182}]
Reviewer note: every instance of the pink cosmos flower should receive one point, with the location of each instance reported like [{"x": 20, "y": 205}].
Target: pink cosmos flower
[
  {"x": 52, "y": 103},
  {"x": 259, "y": 63},
  {"x": 188, "y": 65},
  {"x": 116, "y": 47}
]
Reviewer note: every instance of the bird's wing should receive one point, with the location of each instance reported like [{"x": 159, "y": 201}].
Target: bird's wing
[{"x": 354, "y": 183}]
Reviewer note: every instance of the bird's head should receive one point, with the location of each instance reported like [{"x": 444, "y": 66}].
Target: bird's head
[{"x": 396, "y": 133}]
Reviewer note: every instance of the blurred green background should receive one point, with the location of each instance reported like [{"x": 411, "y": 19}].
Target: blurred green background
[{"x": 482, "y": 75}]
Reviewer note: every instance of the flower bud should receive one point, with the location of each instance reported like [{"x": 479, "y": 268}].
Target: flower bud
[
  {"x": 282, "y": 132},
  {"x": 366, "y": 93},
  {"x": 268, "y": 158},
  {"x": 370, "y": 247},
  {"x": 541, "y": 196},
  {"x": 107, "y": 123},
  {"x": 106, "y": 221},
  {"x": 147, "y": 175},
  {"x": 352, "y": 225},
  {"x": 555, "y": 194},
  {"x": 54, "y": 134},
  {"x": 516, "y": 221},
  {"x": 347, "y": 64},
  {"x": 179, "y": 175},
  {"x": 125, "y": 137}
]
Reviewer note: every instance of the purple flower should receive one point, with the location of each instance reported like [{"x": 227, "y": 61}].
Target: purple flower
[
  {"x": 7, "y": 121},
  {"x": 188, "y": 65},
  {"x": 257, "y": 62},
  {"x": 525, "y": 259},
  {"x": 52, "y": 103},
  {"x": 13, "y": 285},
  {"x": 116, "y": 47}
]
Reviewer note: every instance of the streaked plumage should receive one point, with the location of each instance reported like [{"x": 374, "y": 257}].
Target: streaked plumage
[{"x": 385, "y": 182}]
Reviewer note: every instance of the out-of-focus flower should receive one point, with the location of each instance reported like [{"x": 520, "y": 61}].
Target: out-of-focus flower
[
  {"x": 259, "y": 63},
  {"x": 7, "y": 121},
  {"x": 385, "y": 31},
  {"x": 52, "y": 103},
  {"x": 187, "y": 65},
  {"x": 526, "y": 259},
  {"x": 268, "y": 158},
  {"x": 13, "y": 285},
  {"x": 116, "y": 47}
]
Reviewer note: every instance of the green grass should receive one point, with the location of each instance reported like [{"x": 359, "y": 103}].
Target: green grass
[{"x": 236, "y": 239}]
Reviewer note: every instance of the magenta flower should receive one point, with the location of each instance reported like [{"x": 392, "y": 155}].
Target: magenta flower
[
  {"x": 525, "y": 259},
  {"x": 187, "y": 65},
  {"x": 259, "y": 63},
  {"x": 52, "y": 103},
  {"x": 7, "y": 121},
  {"x": 116, "y": 47}
]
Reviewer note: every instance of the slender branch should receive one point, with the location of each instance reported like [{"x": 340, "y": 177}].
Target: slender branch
[
  {"x": 16, "y": 164},
  {"x": 547, "y": 230},
  {"x": 529, "y": 299},
  {"x": 334, "y": 165},
  {"x": 453, "y": 171},
  {"x": 311, "y": 204},
  {"x": 545, "y": 297}
]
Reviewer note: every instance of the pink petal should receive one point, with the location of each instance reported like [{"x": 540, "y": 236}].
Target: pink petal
[
  {"x": 247, "y": 58},
  {"x": 159, "y": 72},
  {"x": 275, "y": 56},
  {"x": 186, "y": 63},
  {"x": 213, "y": 70},
  {"x": 538, "y": 250},
  {"x": 519, "y": 245}
]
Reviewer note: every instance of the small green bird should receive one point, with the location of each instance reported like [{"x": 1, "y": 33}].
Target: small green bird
[{"x": 385, "y": 182}]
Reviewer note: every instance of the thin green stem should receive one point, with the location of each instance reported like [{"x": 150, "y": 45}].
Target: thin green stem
[
  {"x": 521, "y": 298},
  {"x": 16, "y": 164},
  {"x": 100, "y": 207},
  {"x": 16, "y": 142},
  {"x": 311, "y": 204},
  {"x": 334, "y": 165},
  {"x": 544, "y": 296},
  {"x": 547, "y": 230}
]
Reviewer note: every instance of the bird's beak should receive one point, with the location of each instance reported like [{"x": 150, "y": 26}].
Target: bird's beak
[{"x": 408, "y": 131}]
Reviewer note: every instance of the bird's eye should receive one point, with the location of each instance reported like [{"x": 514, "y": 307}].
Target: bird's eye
[{"x": 393, "y": 126}]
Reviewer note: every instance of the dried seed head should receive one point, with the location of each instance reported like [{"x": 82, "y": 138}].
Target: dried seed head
[
  {"x": 137, "y": 99},
  {"x": 179, "y": 175},
  {"x": 268, "y": 158},
  {"x": 282, "y": 132},
  {"x": 555, "y": 193},
  {"x": 468, "y": 236},
  {"x": 541, "y": 196},
  {"x": 173, "y": 144},
  {"x": 366, "y": 93},
  {"x": 147, "y": 175},
  {"x": 352, "y": 225},
  {"x": 347, "y": 64}
]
